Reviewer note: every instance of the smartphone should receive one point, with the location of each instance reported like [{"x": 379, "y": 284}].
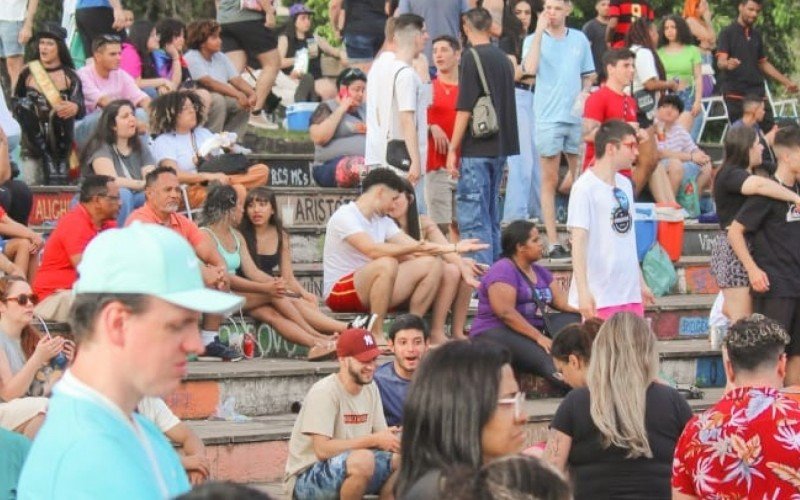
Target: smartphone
[{"x": 344, "y": 93}]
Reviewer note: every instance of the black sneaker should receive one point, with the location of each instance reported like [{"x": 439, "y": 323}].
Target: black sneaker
[
  {"x": 559, "y": 254},
  {"x": 216, "y": 350}
]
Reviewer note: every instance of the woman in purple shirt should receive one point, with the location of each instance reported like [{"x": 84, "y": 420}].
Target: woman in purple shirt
[{"x": 507, "y": 311}]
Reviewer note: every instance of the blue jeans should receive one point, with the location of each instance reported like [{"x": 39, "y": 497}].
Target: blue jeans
[
  {"x": 324, "y": 479},
  {"x": 523, "y": 188},
  {"x": 478, "y": 211},
  {"x": 362, "y": 47},
  {"x": 687, "y": 97},
  {"x": 128, "y": 202}
]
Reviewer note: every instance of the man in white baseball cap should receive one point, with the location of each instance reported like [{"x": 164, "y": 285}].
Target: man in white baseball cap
[{"x": 136, "y": 311}]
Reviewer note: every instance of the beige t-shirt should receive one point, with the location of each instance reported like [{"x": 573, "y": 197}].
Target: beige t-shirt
[{"x": 329, "y": 410}]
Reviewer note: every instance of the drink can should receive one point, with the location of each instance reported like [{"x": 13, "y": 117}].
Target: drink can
[{"x": 248, "y": 347}]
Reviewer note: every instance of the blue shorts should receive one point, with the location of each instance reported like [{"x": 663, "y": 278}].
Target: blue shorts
[
  {"x": 362, "y": 48},
  {"x": 555, "y": 138},
  {"x": 324, "y": 479},
  {"x": 9, "y": 44}
]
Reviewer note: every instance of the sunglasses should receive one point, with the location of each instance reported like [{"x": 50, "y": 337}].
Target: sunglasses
[
  {"x": 23, "y": 299},
  {"x": 517, "y": 401},
  {"x": 622, "y": 199}
]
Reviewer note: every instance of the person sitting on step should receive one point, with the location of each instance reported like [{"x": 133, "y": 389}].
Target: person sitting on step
[
  {"x": 179, "y": 140},
  {"x": 96, "y": 211},
  {"x": 265, "y": 297},
  {"x": 408, "y": 339},
  {"x": 103, "y": 82},
  {"x": 47, "y": 100},
  {"x": 369, "y": 264},
  {"x": 163, "y": 198},
  {"x": 117, "y": 150},
  {"x": 340, "y": 445}
]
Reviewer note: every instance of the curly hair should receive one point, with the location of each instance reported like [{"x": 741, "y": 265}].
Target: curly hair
[
  {"x": 200, "y": 31},
  {"x": 755, "y": 342},
  {"x": 220, "y": 203},
  {"x": 683, "y": 35},
  {"x": 164, "y": 110}
]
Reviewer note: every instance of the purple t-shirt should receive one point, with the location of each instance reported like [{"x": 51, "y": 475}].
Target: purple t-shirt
[{"x": 505, "y": 271}]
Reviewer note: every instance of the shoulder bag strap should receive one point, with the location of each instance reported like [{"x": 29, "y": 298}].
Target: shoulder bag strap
[
  {"x": 539, "y": 303},
  {"x": 480, "y": 71},
  {"x": 391, "y": 102}
]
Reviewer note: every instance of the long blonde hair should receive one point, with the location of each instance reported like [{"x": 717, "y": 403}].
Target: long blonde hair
[{"x": 623, "y": 365}]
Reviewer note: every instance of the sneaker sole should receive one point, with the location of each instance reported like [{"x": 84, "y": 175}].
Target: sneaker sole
[{"x": 217, "y": 359}]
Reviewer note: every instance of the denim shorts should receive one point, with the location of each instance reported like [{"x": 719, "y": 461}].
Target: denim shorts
[
  {"x": 361, "y": 47},
  {"x": 9, "y": 44},
  {"x": 555, "y": 138},
  {"x": 324, "y": 479}
]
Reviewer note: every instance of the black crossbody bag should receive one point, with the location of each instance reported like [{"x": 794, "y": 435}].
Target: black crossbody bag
[{"x": 554, "y": 321}]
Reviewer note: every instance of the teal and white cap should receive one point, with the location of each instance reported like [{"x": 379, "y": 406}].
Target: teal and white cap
[{"x": 152, "y": 260}]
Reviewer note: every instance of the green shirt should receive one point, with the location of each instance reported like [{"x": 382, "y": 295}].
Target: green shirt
[{"x": 681, "y": 64}]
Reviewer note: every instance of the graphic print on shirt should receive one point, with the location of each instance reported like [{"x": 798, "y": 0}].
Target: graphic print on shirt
[{"x": 621, "y": 219}]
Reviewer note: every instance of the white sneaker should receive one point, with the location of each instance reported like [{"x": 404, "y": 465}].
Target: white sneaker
[{"x": 261, "y": 121}]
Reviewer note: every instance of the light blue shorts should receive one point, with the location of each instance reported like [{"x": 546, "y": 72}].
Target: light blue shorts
[
  {"x": 9, "y": 46},
  {"x": 324, "y": 479},
  {"x": 555, "y": 138}
]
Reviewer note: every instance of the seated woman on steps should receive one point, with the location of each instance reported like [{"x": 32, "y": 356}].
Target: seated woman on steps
[
  {"x": 19, "y": 411},
  {"x": 47, "y": 100},
  {"x": 459, "y": 276},
  {"x": 572, "y": 349},
  {"x": 266, "y": 297},
  {"x": 175, "y": 119},
  {"x": 268, "y": 241},
  {"x": 117, "y": 150},
  {"x": 509, "y": 313}
]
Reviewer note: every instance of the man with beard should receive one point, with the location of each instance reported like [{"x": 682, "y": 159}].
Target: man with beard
[
  {"x": 408, "y": 340},
  {"x": 742, "y": 56},
  {"x": 341, "y": 446}
]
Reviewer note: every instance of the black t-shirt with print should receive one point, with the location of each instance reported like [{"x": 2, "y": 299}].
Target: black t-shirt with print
[{"x": 773, "y": 228}]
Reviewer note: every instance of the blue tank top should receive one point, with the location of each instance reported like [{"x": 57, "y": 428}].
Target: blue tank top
[{"x": 233, "y": 260}]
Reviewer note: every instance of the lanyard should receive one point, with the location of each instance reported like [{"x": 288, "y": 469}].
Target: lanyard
[{"x": 72, "y": 387}]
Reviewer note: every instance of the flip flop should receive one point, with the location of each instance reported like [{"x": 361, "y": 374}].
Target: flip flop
[{"x": 322, "y": 352}]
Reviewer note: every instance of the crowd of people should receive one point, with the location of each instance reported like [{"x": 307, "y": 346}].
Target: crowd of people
[{"x": 437, "y": 104}]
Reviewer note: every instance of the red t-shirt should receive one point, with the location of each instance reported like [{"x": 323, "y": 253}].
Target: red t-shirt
[
  {"x": 602, "y": 106},
  {"x": 746, "y": 446},
  {"x": 176, "y": 222},
  {"x": 442, "y": 112},
  {"x": 72, "y": 234}
]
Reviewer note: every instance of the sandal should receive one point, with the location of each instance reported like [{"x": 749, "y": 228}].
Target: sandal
[{"x": 323, "y": 351}]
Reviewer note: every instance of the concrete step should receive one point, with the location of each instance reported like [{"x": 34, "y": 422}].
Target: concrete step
[
  {"x": 694, "y": 276},
  {"x": 256, "y": 451},
  {"x": 262, "y": 387}
]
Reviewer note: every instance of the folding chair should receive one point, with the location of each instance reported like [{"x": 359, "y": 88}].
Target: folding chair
[{"x": 714, "y": 110}]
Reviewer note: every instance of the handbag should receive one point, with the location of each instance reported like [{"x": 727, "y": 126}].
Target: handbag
[
  {"x": 397, "y": 154},
  {"x": 228, "y": 163},
  {"x": 554, "y": 322},
  {"x": 484, "y": 117}
]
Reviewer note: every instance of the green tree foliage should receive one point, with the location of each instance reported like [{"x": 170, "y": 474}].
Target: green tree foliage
[{"x": 779, "y": 23}]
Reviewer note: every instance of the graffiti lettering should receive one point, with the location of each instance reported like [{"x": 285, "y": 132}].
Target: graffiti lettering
[
  {"x": 49, "y": 207},
  {"x": 693, "y": 326},
  {"x": 314, "y": 210},
  {"x": 289, "y": 176}
]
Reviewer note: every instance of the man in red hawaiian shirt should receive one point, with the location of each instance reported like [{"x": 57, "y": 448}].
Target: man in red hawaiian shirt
[{"x": 748, "y": 444}]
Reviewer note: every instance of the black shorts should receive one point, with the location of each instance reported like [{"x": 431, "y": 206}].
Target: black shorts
[
  {"x": 785, "y": 311},
  {"x": 250, "y": 36}
]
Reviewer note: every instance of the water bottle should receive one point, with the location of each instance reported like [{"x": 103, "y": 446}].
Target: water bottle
[
  {"x": 59, "y": 361},
  {"x": 248, "y": 346}
]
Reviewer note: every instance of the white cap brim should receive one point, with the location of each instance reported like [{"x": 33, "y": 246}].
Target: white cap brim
[{"x": 205, "y": 300}]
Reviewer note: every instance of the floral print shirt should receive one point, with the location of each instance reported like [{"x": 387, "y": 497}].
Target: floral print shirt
[{"x": 746, "y": 446}]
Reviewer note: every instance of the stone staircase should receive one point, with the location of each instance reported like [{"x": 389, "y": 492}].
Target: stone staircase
[{"x": 269, "y": 390}]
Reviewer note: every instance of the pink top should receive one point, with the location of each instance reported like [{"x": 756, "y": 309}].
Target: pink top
[
  {"x": 118, "y": 85},
  {"x": 129, "y": 61}
]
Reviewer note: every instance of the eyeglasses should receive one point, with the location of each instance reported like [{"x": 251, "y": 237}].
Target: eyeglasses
[
  {"x": 23, "y": 299},
  {"x": 517, "y": 401},
  {"x": 622, "y": 199},
  {"x": 105, "y": 40}
]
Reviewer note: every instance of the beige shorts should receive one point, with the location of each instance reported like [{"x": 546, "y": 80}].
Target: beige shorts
[
  {"x": 18, "y": 411},
  {"x": 56, "y": 306},
  {"x": 440, "y": 196}
]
